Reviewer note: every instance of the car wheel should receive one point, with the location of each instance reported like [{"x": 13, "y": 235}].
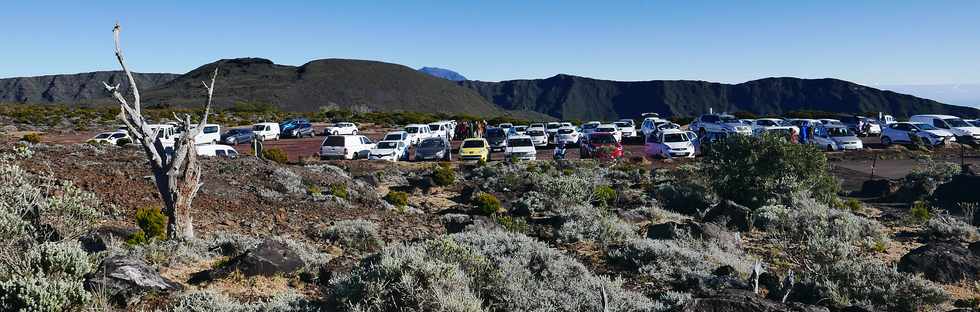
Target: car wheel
[
  {"x": 353, "y": 132},
  {"x": 702, "y": 133},
  {"x": 830, "y": 148},
  {"x": 886, "y": 141}
]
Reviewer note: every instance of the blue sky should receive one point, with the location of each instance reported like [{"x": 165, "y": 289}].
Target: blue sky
[{"x": 871, "y": 42}]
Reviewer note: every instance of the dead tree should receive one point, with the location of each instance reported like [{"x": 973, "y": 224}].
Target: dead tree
[{"x": 176, "y": 171}]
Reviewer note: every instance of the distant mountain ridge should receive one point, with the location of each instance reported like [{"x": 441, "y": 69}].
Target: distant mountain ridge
[
  {"x": 573, "y": 97},
  {"x": 72, "y": 88},
  {"x": 442, "y": 73}
]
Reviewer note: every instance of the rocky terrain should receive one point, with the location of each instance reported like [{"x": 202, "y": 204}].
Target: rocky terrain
[{"x": 72, "y": 89}]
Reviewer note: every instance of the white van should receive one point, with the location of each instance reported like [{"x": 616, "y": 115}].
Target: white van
[
  {"x": 211, "y": 133},
  {"x": 216, "y": 150},
  {"x": 266, "y": 130},
  {"x": 345, "y": 147},
  {"x": 166, "y": 133},
  {"x": 417, "y": 133},
  {"x": 963, "y": 130}
]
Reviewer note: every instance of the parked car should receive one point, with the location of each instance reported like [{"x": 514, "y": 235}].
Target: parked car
[
  {"x": 671, "y": 143},
  {"x": 497, "y": 138},
  {"x": 551, "y": 128},
  {"x": 964, "y": 131},
  {"x": 589, "y": 127},
  {"x": 974, "y": 122},
  {"x": 601, "y": 145},
  {"x": 831, "y": 122},
  {"x": 266, "y": 131},
  {"x": 216, "y": 150},
  {"x": 871, "y": 125},
  {"x": 506, "y": 126},
  {"x": 626, "y": 128},
  {"x": 236, "y": 136},
  {"x": 389, "y": 150},
  {"x": 341, "y": 128},
  {"x": 836, "y": 138},
  {"x": 211, "y": 133},
  {"x": 719, "y": 123},
  {"x": 518, "y": 130},
  {"x": 441, "y": 129},
  {"x": 567, "y": 135},
  {"x": 417, "y": 133},
  {"x": 537, "y": 125},
  {"x": 566, "y": 124},
  {"x": 651, "y": 125},
  {"x": 474, "y": 149},
  {"x": 763, "y": 125},
  {"x": 902, "y": 132},
  {"x": 520, "y": 147},
  {"x": 114, "y": 138},
  {"x": 434, "y": 148},
  {"x": 296, "y": 128},
  {"x": 538, "y": 136},
  {"x": 609, "y": 128},
  {"x": 345, "y": 147},
  {"x": 166, "y": 133},
  {"x": 398, "y": 136}
]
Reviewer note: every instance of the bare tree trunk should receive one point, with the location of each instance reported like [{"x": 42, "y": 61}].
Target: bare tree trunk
[{"x": 175, "y": 170}]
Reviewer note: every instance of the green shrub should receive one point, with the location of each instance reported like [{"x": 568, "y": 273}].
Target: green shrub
[
  {"x": 486, "y": 204},
  {"x": 513, "y": 224},
  {"x": 444, "y": 175},
  {"x": 586, "y": 223},
  {"x": 276, "y": 155},
  {"x": 358, "y": 235},
  {"x": 853, "y": 205},
  {"x": 314, "y": 190},
  {"x": 755, "y": 171},
  {"x": 920, "y": 212},
  {"x": 947, "y": 227},
  {"x": 33, "y": 138},
  {"x": 48, "y": 277},
  {"x": 339, "y": 190},
  {"x": 152, "y": 223},
  {"x": 396, "y": 198},
  {"x": 604, "y": 195}
]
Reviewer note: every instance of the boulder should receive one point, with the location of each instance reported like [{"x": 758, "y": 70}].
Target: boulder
[
  {"x": 942, "y": 262},
  {"x": 733, "y": 300},
  {"x": 124, "y": 279},
  {"x": 96, "y": 240},
  {"x": 961, "y": 189},
  {"x": 457, "y": 222},
  {"x": 879, "y": 188},
  {"x": 731, "y": 214},
  {"x": 271, "y": 257},
  {"x": 675, "y": 230}
]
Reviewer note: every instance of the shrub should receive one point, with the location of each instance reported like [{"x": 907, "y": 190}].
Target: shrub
[
  {"x": 853, "y": 205},
  {"x": 922, "y": 181},
  {"x": 684, "y": 190},
  {"x": 48, "y": 277},
  {"x": 947, "y": 227},
  {"x": 33, "y": 209},
  {"x": 288, "y": 181},
  {"x": 152, "y": 223},
  {"x": 358, "y": 235},
  {"x": 33, "y": 138},
  {"x": 396, "y": 198},
  {"x": 587, "y": 223},
  {"x": 209, "y": 301},
  {"x": 675, "y": 260},
  {"x": 863, "y": 280},
  {"x": 276, "y": 155},
  {"x": 513, "y": 224},
  {"x": 339, "y": 190},
  {"x": 471, "y": 270},
  {"x": 604, "y": 195},
  {"x": 755, "y": 171},
  {"x": 444, "y": 175},
  {"x": 920, "y": 212},
  {"x": 486, "y": 204}
]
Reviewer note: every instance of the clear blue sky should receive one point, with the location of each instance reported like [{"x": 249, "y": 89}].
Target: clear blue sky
[{"x": 873, "y": 42}]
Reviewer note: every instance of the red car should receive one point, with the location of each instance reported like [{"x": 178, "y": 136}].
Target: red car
[{"x": 601, "y": 145}]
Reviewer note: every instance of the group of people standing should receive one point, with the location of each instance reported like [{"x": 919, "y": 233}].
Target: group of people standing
[{"x": 471, "y": 128}]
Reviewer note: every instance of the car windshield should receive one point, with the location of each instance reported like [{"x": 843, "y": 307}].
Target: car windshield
[
  {"x": 341, "y": 124},
  {"x": 766, "y": 123},
  {"x": 258, "y": 127},
  {"x": 210, "y": 129},
  {"x": 839, "y": 132},
  {"x": 565, "y": 131},
  {"x": 728, "y": 119},
  {"x": 103, "y": 135},
  {"x": 956, "y": 122},
  {"x": 589, "y": 126},
  {"x": 602, "y": 139},
  {"x": 472, "y": 144},
  {"x": 495, "y": 133},
  {"x": 554, "y": 126},
  {"x": 535, "y": 133},
  {"x": 926, "y": 127},
  {"x": 520, "y": 128},
  {"x": 605, "y": 129},
  {"x": 334, "y": 140},
  {"x": 519, "y": 142},
  {"x": 393, "y": 137},
  {"x": 975, "y": 123},
  {"x": 412, "y": 130},
  {"x": 386, "y": 144},
  {"x": 675, "y": 137},
  {"x": 434, "y": 127},
  {"x": 622, "y": 124},
  {"x": 431, "y": 143}
]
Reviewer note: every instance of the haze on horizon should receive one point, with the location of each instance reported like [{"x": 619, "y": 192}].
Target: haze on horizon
[{"x": 877, "y": 43}]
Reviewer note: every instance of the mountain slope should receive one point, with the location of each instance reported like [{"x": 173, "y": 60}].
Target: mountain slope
[
  {"x": 71, "y": 88},
  {"x": 442, "y": 73},
  {"x": 572, "y": 97}
]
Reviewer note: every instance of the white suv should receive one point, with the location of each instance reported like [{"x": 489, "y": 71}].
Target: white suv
[
  {"x": 567, "y": 135},
  {"x": 626, "y": 127},
  {"x": 902, "y": 132},
  {"x": 345, "y": 147},
  {"x": 341, "y": 128},
  {"x": 538, "y": 136},
  {"x": 417, "y": 133},
  {"x": 719, "y": 123},
  {"x": 960, "y": 128}
]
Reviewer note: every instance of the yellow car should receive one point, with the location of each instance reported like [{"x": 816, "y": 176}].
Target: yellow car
[{"x": 475, "y": 149}]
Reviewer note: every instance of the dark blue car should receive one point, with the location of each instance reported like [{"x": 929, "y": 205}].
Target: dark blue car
[
  {"x": 236, "y": 136},
  {"x": 296, "y": 128}
]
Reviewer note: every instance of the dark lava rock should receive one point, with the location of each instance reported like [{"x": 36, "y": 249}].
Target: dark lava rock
[
  {"x": 942, "y": 262},
  {"x": 879, "y": 188},
  {"x": 456, "y": 222},
  {"x": 125, "y": 279},
  {"x": 961, "y": 189},
  {"x": 732, "y": 300},
  {"x": 97, "y": 239},
  {"x": 268, "y": 259},
  {"x": 734, "y": 215},
  {"x": 675, "y": 230}
]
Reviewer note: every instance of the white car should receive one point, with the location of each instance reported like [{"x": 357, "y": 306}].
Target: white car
[
  {"x": 389, "y": 150},
  {"x": 538, "y": 136},
  {"x": 589, "y": 127},
  {"x": 266, "y": 131},
  {"x": 111, "y": 137},
  {"x": 901, "y": 132},
  {"x": 719, "y": 123},
  {"x": 211, "y": 133},
  {"x": 397, "y": 136},
  {"x": 671, "y": 143},
  {"x": 567, "y": 135},
  {"x": 518, "y": 130},
  {"x": 166, "y": 133},
  {"x": 520, "y": 147},
  {"x": 651, "y": 125},
  {"x": 626, "y": 127},
  {"x": 611, "y": 129},
  {"x": 836, "y": 138},
  {"x": 963, "y": 130},
  {"x": 763, "y": 125},
  {"x": 831, "y": 122},
  {"x": 506, "y": 126},
  {"x": 417, "y": 133},
  {"x": 341, "y": 128},
  {"x": 551, "y": 128},
  {"x": 441, "y": 129},
  {"x": 216, "y": 150},
  {"x": 345, "y": 147}
]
